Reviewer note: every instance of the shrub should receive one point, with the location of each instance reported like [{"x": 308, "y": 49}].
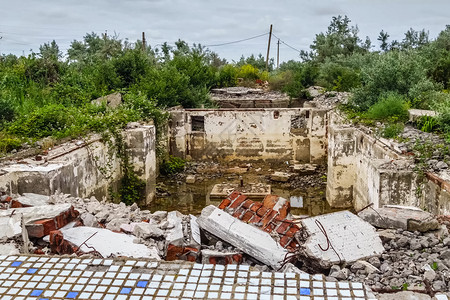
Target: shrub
[
  {"x": 7, "y": 111},
  {"x": 172, "y": 165},
  {"x": 391, "y": 108},
  {"x": 392, "y": 130}
]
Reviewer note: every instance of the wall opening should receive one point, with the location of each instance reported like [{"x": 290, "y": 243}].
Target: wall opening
[{"x": 198, "y": 123}]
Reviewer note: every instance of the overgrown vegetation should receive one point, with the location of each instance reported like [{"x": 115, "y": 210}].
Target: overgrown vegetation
[
  {"x": 49, "y": 93},
  {"x": 172, "y": 165}
]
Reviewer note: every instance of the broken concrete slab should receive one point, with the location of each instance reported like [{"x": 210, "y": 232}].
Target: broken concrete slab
[
  {"x": 340, "y": 237},
  {"x": 9, "y": 249},
  {"x": 108, "y": 243},
  {"x": 40, "y": 220},
  {"x": 145, "y": 230},
  {"x": 11, "y": 226},
  {"x": 280, "y": 176},
  {"x": 256, "y": 191},
  {"x": 400, "y": 217},
  {"x": 175, "y": 234},
  {"x": 30, "y": 199},
  {"x": 247, "y": 238}
]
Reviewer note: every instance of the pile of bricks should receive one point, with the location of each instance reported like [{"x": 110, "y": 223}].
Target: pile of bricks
[{"x": 270, "y": 216}]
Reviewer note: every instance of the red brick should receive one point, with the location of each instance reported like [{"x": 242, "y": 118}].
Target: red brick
[
  {"x": 285, "y": 240},
  {"x": 224, "y": 203},
  {"x": 237, "y": 258},
  {"x": 292, "y": 246},
  {"x": 291, "y": 232},
  {"x": 284, "y": 226},
  {"x": 267, "y": 218},
  {"x": 238, "y": 213},
  {"x": 16, "y": 204},
  {"x": 47, "y": 224},
  {"x": 8, "y": 199},
  {"x": 237, "y": 202},
  {"x": 248, "y": 203},
  {"x": 247, "y": 216},
  {"x": 234, "y": 195},
  {"x": 269, "y": 227},
  {"x": 270, "y": 201},
  {"x": 254, "y": 219},
  {"x": 262, "y": 211},
  {"x": 256, "y": 206},
  {"x": 181, "y": 253},
  {"x": 285, "y": 209}
]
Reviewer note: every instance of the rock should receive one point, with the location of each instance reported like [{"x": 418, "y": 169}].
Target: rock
[
  {"x": 342, "y": 274},
  {"x": 415, "y": 245},
  {"x": 158, "y": 216},
  {"x": 304, "y": 169},
  {"x": 362, "y": 265},
  {"x": 375, "y": 261},
  {"x": 111, "y": 100},
  {"x": 439, "y": 286},
  {"x": 386, "y": 235},
  {"x": 446, "y": 241},
  {"x": 280, "y": 176},
  {"x": 406, "y": 218},
  {"x": 441, "y": 165},
  {"x": 89, "y": 220},
  {"x": 404, "y": 295},
  {"x": 134, "y": 207},
  {"x": 403, "y": 242},
  {"x": 145, "y": 230},
  {"x": 429, "y": 275},
  {"x": 385, "y": 267},
  {"x": 114, "y": 224},
  {"x": 102, "y": 216},
  {"x": 190, "y": 179}
]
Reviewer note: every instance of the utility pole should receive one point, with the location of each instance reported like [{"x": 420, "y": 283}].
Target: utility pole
[
  {"x": 143, "y": 41},
  {"x": 268, "y": 48},
  {"x": 278, "y": 54}
]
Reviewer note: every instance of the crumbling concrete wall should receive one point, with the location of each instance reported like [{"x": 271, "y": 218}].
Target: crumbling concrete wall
[
  {"x": 364, "y": 170},
  {"x": 250, "y": 134},
  {"x": 84, "y": 170}
]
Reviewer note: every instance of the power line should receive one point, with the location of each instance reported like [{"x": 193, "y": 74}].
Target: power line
[
  {"x": 295, "y": 49},
  {"x": 238, "y": 41}
]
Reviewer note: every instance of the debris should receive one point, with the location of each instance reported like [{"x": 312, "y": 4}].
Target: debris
[
  {"x": 190, "y": 179},
  {"x": 11, "y": 226},
  {"x": 30, "y": 199},
  {"x": 145, "y": 230},
  {"x": 247, "y": 238},
  {"x": 304, "y": 169},
  {"x": 280, "y": 176},
  {"x": 101, "y": 241},
  {"x": 340, "y": 237},
  {"x": 400, "y": 217},
  {"x": 221, "y": 258}
]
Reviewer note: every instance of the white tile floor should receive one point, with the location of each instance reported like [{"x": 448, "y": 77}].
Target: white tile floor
[{"x": 39, "y": 278}]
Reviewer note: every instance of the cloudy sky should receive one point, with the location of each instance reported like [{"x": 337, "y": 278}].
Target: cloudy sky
[{"x": 26, "y": 24}]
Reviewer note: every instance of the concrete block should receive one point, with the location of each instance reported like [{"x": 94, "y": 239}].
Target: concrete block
[
  {"x": 400, "y": 217},
  {"x": 175, "y": 235},
  {"x": 108, "y": 243},
  {"x": 280, "y": 176},
  {"x": 351, "y": 237},
  {"x": 247, "y": 238},
  {"x": 304, "y": 169},
  {"x": 145, "y": 230}
]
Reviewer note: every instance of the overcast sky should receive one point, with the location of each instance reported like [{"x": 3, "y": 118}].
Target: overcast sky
[{"x": 26, "y": 24}]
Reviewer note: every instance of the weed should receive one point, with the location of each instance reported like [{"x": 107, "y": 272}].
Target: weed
[
  {"x": 172, "y": 165},
  {"x": 434, "y": 266}
]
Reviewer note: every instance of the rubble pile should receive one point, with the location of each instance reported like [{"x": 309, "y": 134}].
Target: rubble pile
[{"x": 324, "y": 99}]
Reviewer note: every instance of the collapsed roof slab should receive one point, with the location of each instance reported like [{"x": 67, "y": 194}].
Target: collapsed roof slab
[
  {"x": 340, "y": 237},
  {"x": 247, "y": 238}
]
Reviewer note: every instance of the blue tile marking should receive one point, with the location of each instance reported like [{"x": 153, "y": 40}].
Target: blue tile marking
[
  {"x": 125, "y": 290},
  {"x": 36, "y": 293},
  {"x": 16, "y": 264},
  {"x": 305, "y": 291},
  {"x": 31, "y": 271},
  {"x": 142, "y": 283},
  {"x": 72, "y": 295},
  {"x": 43, "y": 299}
]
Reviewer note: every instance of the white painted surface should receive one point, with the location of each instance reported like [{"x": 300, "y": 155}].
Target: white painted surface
[
  {"x": 175, "y": 234},
  {"x": 352, "y": 238},
  {"x": 108, "y": 243},
  {"x": 195, "y": 229},
  {"x": 11, "y": 226},
  {"x": 39, "y": 212},
  {"x": 247, "y": 238}
]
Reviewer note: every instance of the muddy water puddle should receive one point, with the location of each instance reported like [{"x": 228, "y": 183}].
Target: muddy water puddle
[{"x": 175, "y": 194}]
